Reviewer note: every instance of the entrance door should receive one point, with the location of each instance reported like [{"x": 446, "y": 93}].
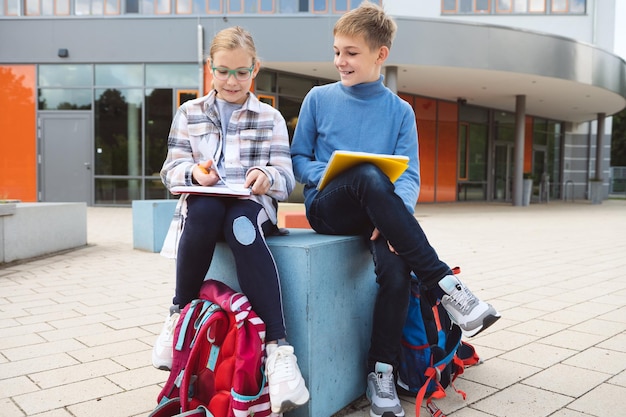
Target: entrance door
[
  {"x": 66, "y": 157},
  {"x": 503, "y": 170}
]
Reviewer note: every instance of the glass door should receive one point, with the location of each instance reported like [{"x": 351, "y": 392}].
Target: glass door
[{"x": 503, "y": 171}]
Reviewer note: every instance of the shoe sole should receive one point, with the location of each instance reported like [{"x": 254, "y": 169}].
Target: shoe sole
[
  {"x": 487, "y": 322},
  {"x": 386, "y": 414},
  {"x": 287, "y": 406},
  {"x": 290, "y": 405}
]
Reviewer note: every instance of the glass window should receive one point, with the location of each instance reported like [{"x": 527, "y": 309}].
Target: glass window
[
  {"x": 235, "y": 6},
  {"x": 577, "y": 6},
  {"x": 155, "y": 190},
  {"x": 520, "y": 6},
  {"x": 290, "y": 108},
  {"x": 199, "y": 7},
  {"x": 463, "y": 146},
  {"x": 171, "y": 75},
  {"x": 117, "y": 191},
  {"x": 504, "y": 6},
  {"x": 558, "y": 6},
  {"x": 320, "y": 6},
  {"x": 118, "y": 131},
  {"x": 267, "y": 6},
  {"x": 147, "y": 6},
  {"x": 340, "y": 6},
  {"x": 288, "y": 6},
  {"x": 163, "y": 6},
  {"x": 112, "y": 7},
  {"x": 215, "y": 6},
  {"x": 32, "y": 7},
  {"x": 304, "y": 5},
  {"x": 290, "y": 85},
  {"x": 449, "y": 6},
  {"x": 119, "y": 75},
  {"x": 483, "y": 6},
  {"x": 12, "y": 7},
  {"x": 265, "y": 81},
  {"x": 159, "y": 111},
  {"x": 183, "y": 7},
  {"x": 132, "y": 6},
  {"x": 82, "y": 7},
  {"x": 64, "y": 99},
  {"x": 537, "y": 6},
  {"x": 69, "y": 75},
  {"x": 477, "y": 156},
  {"x": 466, "y": 6},
  {"x": 62, "y": 7}
]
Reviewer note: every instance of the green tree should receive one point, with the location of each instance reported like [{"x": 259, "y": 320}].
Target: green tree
[{"x": 618, "y": 140}]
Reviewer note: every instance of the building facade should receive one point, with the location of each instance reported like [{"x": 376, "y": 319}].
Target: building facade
[{"x": 502, "y": 89}]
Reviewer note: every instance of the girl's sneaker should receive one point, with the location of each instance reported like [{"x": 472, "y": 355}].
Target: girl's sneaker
[
  {"x": 287, "y": 387},
  {"x": 163, "y": 349}
]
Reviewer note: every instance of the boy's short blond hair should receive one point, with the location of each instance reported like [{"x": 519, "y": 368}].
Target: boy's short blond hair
[{"x": 369, "y": 21}]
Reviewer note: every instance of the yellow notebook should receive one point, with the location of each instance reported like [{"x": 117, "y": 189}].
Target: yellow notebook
[{"x": 392, "y": 165}]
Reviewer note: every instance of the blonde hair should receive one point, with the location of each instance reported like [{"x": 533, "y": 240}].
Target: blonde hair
[
  {"x": 233, "y": 38},
  {"x": 369, "y": 21}
]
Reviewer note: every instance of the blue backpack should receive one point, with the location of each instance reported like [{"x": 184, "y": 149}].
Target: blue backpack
[{"x": 432, "y": 354}]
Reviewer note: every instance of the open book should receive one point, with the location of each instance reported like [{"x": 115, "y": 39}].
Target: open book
[
  {"x": 230, "y": 190},
  {"x": 392, "y": 165}
]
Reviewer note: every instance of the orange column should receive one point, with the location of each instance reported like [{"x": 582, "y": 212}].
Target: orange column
[
  {"x": 447, "y": 151},
  {"x": 18, "y": 124},
  {"x": 426, "y": 113}
]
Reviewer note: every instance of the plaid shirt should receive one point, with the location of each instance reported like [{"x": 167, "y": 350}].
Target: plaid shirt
[{"x": 256, "y": 138}]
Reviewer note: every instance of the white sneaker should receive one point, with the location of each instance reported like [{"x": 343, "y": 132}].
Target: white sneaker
[
  {"x": 287, "y": 387},
  {"x": 163, "y": 349},
  {"x": 464, "y": 308},
  {"x": 381, "y": 392}
]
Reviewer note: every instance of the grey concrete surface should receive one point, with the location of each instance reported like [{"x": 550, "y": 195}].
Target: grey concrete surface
[{"x": 76, "y": 328}]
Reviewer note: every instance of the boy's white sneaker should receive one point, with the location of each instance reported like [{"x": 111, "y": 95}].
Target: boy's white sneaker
[
  {"x": 381, "y": 392},
  {"x": 286, "y": 385},
  {"x": 464, "y": 308},
  {"x": 163, "y": 349}
]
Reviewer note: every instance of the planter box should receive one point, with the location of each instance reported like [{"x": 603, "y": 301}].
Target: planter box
[{"x": 36, "y": 229}]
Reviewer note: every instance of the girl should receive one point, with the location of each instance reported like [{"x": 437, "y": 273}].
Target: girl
[{"x": 230, "y": 136}]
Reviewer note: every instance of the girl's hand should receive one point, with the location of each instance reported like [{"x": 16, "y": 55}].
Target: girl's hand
[
  {"x": 258, "y": 182},
  {"x": 204, "y": 173}
]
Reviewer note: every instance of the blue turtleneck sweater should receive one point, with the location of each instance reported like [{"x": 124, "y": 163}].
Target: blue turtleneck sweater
[{"x": 366, "y": 117}]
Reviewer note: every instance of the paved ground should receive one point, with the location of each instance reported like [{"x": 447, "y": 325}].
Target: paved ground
[{"x": 76, "y": 329}]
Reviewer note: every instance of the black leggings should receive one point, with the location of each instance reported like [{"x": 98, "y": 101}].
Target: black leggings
[{"x": 242, "y": 224}]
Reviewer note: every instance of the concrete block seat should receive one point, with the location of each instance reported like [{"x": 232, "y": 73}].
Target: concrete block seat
[
  {"x": 151, "y": 220},
  {"x": 28, "y": 230},
  {"x": 328, "y": 288}
]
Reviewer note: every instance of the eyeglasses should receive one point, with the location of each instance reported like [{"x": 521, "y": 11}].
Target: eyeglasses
[{"x": 240, "y": 74}]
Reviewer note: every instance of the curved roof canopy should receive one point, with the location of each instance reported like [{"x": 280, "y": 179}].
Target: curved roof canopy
[{"x": 488, "y": 66}]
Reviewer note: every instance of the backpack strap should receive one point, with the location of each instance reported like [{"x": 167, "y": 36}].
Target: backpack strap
[{"x": 433, "y": 373}]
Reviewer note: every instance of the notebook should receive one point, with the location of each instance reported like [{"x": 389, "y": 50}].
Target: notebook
[{"x": 392, "y": 165}]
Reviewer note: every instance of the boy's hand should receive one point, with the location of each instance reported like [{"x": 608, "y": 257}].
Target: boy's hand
[
  {"x": 204, "y": 173},
  {"x": 376, "y": 234},
  {"x": 258, "y": 182}
]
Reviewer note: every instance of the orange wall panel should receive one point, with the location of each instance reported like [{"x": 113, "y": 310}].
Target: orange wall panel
[
  {"x": 18, "y": 144},
  {"x": 426, "y": 113},
  {"x": 447, "y": 151}
]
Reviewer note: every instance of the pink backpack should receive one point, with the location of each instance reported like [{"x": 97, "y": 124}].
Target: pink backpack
[{"x": 219, "y": 351}]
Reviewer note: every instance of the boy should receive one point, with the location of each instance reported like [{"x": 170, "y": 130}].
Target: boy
[{"x": 359, "y": 113}]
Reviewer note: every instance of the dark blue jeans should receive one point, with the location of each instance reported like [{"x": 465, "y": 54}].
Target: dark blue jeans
[
  {"x": 353, "y": 204},
  {"x": 242, "y": 225}
]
